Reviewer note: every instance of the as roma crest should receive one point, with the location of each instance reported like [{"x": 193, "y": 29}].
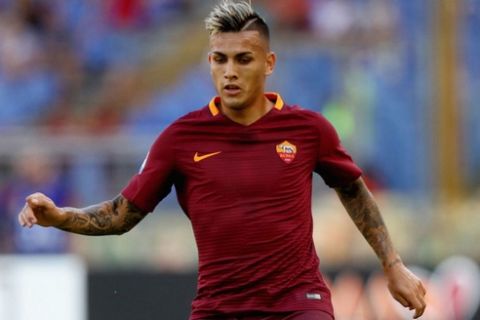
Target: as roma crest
[{"x": 286, "y": 151}]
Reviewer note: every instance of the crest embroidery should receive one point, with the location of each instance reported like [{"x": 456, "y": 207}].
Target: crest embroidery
[{"x": 286, "y": 151}]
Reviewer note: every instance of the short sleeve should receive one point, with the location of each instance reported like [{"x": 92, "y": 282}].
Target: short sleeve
[
  {"x": 334, "y": 164},
  {"x": 155, "y": 178}
]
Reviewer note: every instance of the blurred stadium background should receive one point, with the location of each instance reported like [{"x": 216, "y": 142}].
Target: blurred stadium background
[{"x": 86, "y": 85}]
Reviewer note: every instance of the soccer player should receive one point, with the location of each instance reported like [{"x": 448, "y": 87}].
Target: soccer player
[{"x": 242, "y": 168}]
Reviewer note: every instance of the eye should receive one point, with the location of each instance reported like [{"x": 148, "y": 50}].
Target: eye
[
  {"x": 245, "y": 60},
  {"x": 219, "y": 59}
]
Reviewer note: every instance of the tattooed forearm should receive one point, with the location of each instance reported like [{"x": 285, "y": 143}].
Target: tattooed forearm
[
  {"x": 364, "y": 212},
  {"x": 111, "y": 217}
]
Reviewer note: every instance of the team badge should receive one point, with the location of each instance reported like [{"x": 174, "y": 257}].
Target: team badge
[{"x": 286, "y": 151}]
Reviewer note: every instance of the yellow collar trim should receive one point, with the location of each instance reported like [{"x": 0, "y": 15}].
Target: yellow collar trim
[
  {"x": 213, "y": 106},
  {"x": 272, "y": 96}
]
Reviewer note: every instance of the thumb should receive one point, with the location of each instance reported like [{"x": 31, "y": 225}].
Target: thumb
[
  {"x": 32, "y": 202},
  {"x": 37, "y": 201}
]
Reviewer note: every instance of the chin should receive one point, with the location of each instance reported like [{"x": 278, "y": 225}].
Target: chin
[{"x": 233, "y": 103}]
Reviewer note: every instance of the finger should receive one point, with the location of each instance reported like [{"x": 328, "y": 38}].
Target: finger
[
  {"x": 34, "y": 195},
  {"x": 422, "y": 289},
  {"x": 32, "y": 219},
  {"x": 22, "y": 216},
  {"x": 24, "y": 221},
  {"x": 418, "y": 304},
  {"x": 21, "y": 220},
  {"x": 421, "y": 310},
  {"x": 35, "y": 201},
  {"x": 38, "y": 205},
  {"x": 40, "y": 197},
  {"x": 402, "y": 300},
  {"x": 29, "y": 215}
]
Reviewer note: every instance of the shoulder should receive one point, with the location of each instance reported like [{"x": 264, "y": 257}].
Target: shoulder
[
  {"x": 184, "y": 124},
  {"x": 307, "y": 117},
  {"x": 199, "y": 116},
  {"x": 187, "y": 121},
  {"x": 202, "y": 113}
]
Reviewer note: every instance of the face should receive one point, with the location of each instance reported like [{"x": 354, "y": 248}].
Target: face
[{"x": 239, "y": 65}]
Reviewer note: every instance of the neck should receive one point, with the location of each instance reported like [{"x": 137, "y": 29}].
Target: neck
[{"x": 250, "y": 114}]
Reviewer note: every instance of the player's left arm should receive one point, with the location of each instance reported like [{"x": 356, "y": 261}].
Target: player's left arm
[{"x": 404, "y": 286}]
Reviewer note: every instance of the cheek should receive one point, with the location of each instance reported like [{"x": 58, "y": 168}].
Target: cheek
[
  {"x": 216, "y": 74},
  {"x": 255, "y": 75}
]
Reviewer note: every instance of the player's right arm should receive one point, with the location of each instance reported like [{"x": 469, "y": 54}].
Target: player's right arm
[{"x": 115, "y": 216}]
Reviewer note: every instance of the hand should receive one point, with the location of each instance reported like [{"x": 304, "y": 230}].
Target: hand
[
  {"x": 41, "y": 210},
  {"x": 406, "y": 288}
]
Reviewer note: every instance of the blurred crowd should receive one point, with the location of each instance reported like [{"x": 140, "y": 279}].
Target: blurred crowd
[
  {"x": 72, "y": 63},
  {"x": 64, "y": 65},
  {"x": 63, "y": 62},
  {"x": 77, "y": 71}
]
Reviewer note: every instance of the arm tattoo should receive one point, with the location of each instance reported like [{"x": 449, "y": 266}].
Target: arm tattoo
[
  {"x": 110, "y": 217},
  {"x": 364, "y": 212}
]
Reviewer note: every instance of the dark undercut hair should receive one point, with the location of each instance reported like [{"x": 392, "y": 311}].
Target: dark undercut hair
[{"x": 235, "y": 16}]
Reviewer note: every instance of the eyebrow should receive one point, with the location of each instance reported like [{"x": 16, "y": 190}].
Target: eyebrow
[{"x": 240, "y": 54}]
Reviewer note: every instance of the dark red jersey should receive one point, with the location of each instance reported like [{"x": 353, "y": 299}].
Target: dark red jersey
[{"x": 247, "y": 191}]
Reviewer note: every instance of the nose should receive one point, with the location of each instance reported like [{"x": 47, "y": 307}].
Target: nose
[{"x": 230, "y": 71}]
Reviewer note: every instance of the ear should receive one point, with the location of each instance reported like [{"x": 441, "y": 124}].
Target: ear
[
  {"x": 209, "y": 57},
  {"x": 270, "y": 63}
]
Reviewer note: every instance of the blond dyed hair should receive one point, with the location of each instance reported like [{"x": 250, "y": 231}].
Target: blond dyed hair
[{"x": 235, "y": 16}]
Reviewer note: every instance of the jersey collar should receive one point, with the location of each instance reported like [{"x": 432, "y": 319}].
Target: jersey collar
[{"x": 272, "y": 96}]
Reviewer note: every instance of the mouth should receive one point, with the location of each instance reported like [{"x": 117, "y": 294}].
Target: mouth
[{"x": 231, "y": 89}]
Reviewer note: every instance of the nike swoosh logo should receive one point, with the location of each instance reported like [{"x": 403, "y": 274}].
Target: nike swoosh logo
[{"x": 198, "y": 158}]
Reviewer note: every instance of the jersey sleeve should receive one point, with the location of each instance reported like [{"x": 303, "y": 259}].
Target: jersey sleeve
[
  {"x": 334, "y": 164},
  {"x": 155, "y": 179}
]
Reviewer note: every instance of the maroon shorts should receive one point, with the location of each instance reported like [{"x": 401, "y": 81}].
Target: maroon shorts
[{"x": 295, "y": 315}]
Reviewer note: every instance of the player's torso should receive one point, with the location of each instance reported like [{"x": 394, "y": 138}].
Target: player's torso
[
  {"x": 221, "y": 164},
  {"x": 247, "y": 191},
  {"x": 245, "y": 187}
]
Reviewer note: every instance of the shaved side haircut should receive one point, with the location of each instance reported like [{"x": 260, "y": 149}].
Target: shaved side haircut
[{"x": 235, "y": 16}]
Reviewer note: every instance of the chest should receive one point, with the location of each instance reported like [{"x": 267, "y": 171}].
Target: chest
[{"x": 246, "y": 163}]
